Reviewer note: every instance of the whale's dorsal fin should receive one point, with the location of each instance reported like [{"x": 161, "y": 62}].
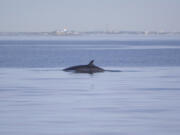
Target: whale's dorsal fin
[{"x": 91, "y": 63}]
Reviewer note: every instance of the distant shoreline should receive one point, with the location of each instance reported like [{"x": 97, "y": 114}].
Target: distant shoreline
[{"x": 70, "y": 33}]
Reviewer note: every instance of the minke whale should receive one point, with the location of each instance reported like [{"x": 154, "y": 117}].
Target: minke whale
[{"x": 89, "y": 68}]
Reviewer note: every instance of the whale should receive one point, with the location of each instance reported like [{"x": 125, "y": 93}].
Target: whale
[{"x": 89, "y": 68}]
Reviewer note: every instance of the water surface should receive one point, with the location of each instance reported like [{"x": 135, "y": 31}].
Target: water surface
[{"x": 38, "y": 98}]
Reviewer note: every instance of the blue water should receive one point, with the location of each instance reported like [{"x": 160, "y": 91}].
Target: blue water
[
  {"x": 106, "y": 51},
  {"x": 38, "y": 98}
]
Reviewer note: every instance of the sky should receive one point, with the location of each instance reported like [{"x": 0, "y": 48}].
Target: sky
[{"x": 89, "y": 15}]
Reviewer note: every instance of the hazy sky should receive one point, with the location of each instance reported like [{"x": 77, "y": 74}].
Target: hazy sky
[{"x": 82, "y": 15}]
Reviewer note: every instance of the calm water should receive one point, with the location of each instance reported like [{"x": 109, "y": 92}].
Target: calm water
[{"x": 38, "y": 98}]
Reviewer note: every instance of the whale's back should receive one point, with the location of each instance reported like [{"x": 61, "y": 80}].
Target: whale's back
[
  {"x": 84, "y": 69},
  {"x": 90, "y": 68}
]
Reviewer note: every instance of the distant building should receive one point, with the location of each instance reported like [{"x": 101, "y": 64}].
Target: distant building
[{"x": 64, "y": 32}]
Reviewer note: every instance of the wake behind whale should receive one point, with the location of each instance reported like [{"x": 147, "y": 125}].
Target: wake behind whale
[{"x": 89, "y": 68}]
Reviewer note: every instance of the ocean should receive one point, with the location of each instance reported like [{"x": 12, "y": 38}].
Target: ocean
[{"x": 38, "y": 98}]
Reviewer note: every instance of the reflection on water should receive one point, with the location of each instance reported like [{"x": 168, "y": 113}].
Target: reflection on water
[{"x": 43, "y": 101}]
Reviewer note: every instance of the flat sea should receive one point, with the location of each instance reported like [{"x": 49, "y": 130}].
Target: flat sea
[{"x": 38, "y": 98}]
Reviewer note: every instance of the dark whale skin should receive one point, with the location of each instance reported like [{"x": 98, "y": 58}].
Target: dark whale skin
[{"x": 90, "y": 68}]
